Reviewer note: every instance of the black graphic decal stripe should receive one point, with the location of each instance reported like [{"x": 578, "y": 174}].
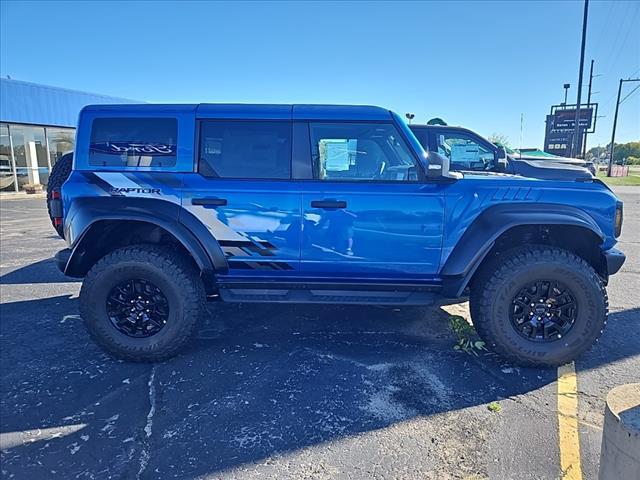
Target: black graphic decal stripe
[
  {"x": 247, "y": 246},
  {"x": 258, "y": 265},
  {"x": 92, "y": 179}
]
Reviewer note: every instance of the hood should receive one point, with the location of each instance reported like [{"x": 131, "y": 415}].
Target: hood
[
  {"x": 550, "y": 169},
  {"x": 567, "y": 160}
]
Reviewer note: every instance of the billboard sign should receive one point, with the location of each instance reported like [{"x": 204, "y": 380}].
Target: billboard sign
[
  {"x": 564, "y": 117},
  {"x": 558, "y": 141}
]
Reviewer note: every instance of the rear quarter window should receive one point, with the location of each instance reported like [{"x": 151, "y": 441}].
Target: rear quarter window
[{"x": 133, "y": 142}]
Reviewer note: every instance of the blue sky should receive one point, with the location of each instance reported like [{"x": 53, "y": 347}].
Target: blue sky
[{"x": 476, "y": 64}]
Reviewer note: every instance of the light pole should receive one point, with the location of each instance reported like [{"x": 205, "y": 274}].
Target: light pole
[
  {"x": 576, "y": 133},
  {"x": 410, "y": 116},
  {"x": 566, "y": 90}
]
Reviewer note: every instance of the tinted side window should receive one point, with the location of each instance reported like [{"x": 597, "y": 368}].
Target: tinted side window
[
  {"x": 465, "y": 153},
  {"x": 133, "y": 142},
  {"x": 245, "y": 149},
  {"x": 360, "y": 151}
]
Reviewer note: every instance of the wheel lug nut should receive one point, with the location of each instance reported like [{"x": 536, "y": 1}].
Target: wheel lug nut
[{"x": 533, "y": 304}]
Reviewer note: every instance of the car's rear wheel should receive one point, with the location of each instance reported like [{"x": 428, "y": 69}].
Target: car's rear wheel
[
  {"x": 142, "y": 302},
  {"x": 59, "y": 174},
  {"x": 538, "y": 305}
]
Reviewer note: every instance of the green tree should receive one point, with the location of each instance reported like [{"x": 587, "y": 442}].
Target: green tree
[
  {"x": 499, "y": 139},
  {"x": 596, "y": 153},
  {"x": 436, "y": 121},
  {"x": 622, "y": 151},
  {"x": 625, "y": 150}
]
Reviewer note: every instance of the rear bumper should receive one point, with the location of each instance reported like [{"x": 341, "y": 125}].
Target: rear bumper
[
  {"x": 614, "y": 259},
  {"x": 62, "y": 259}
]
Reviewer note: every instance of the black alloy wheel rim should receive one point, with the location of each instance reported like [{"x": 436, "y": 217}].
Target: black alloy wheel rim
[
  {"x": 137, "y": 308},
  {"x": 543, "y": 311}
]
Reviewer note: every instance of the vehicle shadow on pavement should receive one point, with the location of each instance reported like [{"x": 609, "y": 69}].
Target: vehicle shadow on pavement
[
  {"x": 257, "y": 382},
  {"x": 43, "y": 271}
]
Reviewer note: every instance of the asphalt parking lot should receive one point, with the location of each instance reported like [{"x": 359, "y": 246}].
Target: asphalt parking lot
[{"x": 272, "y": 391}]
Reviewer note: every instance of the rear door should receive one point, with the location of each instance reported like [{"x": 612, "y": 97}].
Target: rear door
[
  {"x": 242, "y": 189},
  {"x": 367, "y": 212}
]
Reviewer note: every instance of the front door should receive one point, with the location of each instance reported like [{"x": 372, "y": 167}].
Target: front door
[
  {"x": 242, "y": 192},
  {"x": 367, "y": 213}
]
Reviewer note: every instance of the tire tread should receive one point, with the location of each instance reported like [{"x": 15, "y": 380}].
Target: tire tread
[
  {"x": 493, "y": 274},
  {"x": 177, "y": 267},
  {"x": 58, "y": 175}
]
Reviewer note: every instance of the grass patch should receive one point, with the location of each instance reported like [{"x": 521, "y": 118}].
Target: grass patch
[
  {"x": 632, "y": 179},
  {"x": 467, "y": 338},
  {"x": 494, "y": 407}
]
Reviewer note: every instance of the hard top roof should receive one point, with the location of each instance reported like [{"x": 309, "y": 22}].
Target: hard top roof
[{"x": 252, "y": 111}]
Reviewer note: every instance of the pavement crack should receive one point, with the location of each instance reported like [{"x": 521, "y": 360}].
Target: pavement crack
[{"x": 145, "y": 453}]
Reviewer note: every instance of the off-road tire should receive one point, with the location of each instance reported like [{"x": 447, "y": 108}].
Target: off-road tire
[
  {"x": 58, "y": 175},
  {"x": 496, "y": 284},
  {"x": 166, "y": 268}
]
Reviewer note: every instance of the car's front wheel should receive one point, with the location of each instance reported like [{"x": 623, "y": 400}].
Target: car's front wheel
[
  {"x": 142, "y": 302},
  {"x": 538, "y": 305}
]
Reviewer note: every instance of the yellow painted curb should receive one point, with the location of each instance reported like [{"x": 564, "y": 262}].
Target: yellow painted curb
[{"x": 568, "y": 423}]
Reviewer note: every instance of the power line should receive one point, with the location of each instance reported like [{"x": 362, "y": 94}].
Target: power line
[
  {"x": 629, "y": 94},
  {"x": 610, "y": 99},
  {"x": 604, "y": 30},
  {"x": 620, "y": 29},
  {"x": 615, "y": 121},
  {"x": 624, "y": 42}
]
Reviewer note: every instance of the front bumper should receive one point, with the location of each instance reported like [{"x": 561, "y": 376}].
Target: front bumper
[
  {"x": 614, "y": 259},
  {"x": 62, "y": 259}
]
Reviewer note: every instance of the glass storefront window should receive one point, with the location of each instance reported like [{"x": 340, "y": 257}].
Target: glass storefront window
[
  {"x": 7, "y": 179},
  {"x": 30, "y": 153},
  {"x": 61, "y": 141}
]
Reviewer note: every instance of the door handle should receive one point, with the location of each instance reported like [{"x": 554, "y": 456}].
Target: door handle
[
  {"x": 209, "y": 202},
  {"x": 328, "y": 204}
]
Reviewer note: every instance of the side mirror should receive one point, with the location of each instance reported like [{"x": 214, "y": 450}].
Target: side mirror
[
  {"x": 438, "y": 167},
  {"x": 501, "y": 159}
]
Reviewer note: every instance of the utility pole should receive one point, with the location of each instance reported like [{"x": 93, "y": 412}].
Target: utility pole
[
  {"x": 576, "y": 133},
  {"x": 615, "y": 121},
  {"x": 584, "y": 135}
]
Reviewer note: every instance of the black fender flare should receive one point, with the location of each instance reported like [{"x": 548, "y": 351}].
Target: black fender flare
[
  {"x": 480, "y": 237},
  {"x": 187, "y": 229}
]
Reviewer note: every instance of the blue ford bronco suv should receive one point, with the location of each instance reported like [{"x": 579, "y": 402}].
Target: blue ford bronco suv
[{"x": 166, "y": 207}]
